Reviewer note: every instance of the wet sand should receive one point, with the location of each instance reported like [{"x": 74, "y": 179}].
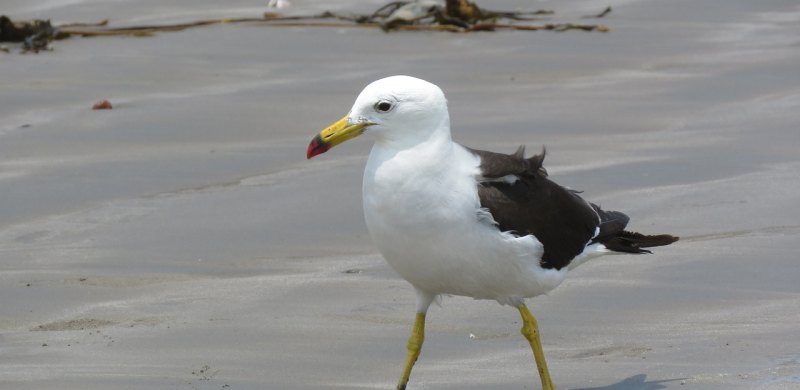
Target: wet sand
[{"x": 182, "y": 241}]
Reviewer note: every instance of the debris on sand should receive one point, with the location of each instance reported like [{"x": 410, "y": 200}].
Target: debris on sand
[
  {"x": 432, "y": 15},
  {"x": 35, "y": 35},
  {"x": 404, "y": 15},
  {"x": 102, "y": 105},
  {"x": 600, "y": 15},
  {"x": 457, "y": 16}
]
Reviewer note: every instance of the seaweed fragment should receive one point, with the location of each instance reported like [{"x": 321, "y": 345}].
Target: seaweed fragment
[
  {"x": 462, "y": 14},
  {"x": 600, "y": 15},
  {"x": 35, "y": 35}
]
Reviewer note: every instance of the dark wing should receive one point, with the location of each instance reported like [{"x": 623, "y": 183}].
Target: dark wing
[
  {"x": 560, "y": 219},
  {"x": 497, "y": 165},
  {"x": 533, "y": 204}
]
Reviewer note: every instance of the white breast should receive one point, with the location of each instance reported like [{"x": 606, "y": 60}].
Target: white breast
[{"x": 422, "y": 210}]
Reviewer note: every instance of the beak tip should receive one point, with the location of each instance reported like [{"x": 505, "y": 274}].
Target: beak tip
[{"x": 316, "y": 147}]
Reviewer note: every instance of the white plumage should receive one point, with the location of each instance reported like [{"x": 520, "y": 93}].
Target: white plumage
[
  {"x": 421, "y": 203},
  {"x": 452, "y": 220}
]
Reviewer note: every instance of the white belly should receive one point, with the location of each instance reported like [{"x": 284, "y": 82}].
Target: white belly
[{"x": 425, "y": 220}]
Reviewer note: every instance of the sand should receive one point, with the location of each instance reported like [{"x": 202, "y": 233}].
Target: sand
[{"x": 182, "y": 241}]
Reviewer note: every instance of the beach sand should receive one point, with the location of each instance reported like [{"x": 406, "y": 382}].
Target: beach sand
[{"x": 182, "y": 240}]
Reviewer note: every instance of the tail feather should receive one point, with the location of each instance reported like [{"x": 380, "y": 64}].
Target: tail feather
[
  {"x": 613, "y": 235},
  {"x": 632, "y": 242}
]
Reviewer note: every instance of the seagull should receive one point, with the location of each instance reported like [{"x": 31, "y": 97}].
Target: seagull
[{"x": 452, "y": 220}]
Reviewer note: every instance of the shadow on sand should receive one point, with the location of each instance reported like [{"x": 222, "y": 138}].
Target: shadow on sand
[{"x": 636, "y": 382}]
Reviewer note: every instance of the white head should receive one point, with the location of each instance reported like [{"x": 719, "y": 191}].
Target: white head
[{"x": 400, "y": 110}]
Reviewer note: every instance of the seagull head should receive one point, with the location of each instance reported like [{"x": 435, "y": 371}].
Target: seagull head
[{"x": 400, "y": 110}]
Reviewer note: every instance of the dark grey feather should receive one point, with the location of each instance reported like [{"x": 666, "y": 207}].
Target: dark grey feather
[{"x": 558, "y": 217}]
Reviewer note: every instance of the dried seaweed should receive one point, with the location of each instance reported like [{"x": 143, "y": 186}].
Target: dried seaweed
[
  {"x": 600, "y": 15},
  {"x": 457, "y": 16},
  {"x": 35, "y": 35}
]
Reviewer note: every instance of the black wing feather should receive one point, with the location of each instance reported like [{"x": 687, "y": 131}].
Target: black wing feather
[
  {"x": 558, "y": 217},
  {"x": 562, "y": 221}
]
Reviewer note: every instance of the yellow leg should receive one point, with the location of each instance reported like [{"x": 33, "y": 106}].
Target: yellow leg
[
  {"x": 530, "y": 329},
  {"x": 414, "y": 346}
]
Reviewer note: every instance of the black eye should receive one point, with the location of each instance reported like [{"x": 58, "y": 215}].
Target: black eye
[{"x": 383, "y": 106}]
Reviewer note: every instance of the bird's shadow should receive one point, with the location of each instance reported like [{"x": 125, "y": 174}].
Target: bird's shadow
[{"x": 636, "y": 382}]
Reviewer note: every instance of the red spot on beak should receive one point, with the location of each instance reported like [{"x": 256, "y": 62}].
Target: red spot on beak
[{"x": 317, "y": 146}]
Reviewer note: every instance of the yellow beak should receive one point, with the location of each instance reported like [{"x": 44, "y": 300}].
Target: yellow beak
[{"x": 335, "y": 134}]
